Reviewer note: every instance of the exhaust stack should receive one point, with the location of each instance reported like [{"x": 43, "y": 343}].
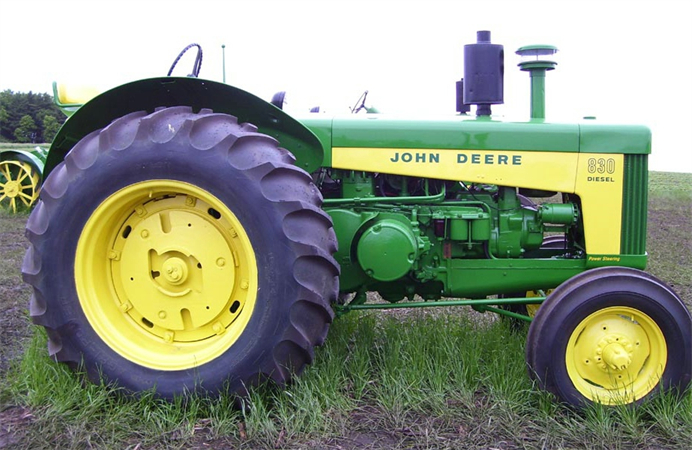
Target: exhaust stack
[{"x": 484, "y": 69}]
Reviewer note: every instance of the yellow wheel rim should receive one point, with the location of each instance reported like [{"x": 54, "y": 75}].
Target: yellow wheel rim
[
  {"x": 18, "y": 184},
  {"x": 166, "y": 275},
  {"x": 532, "y": 308},
  {"x": 616, "y": 355}
]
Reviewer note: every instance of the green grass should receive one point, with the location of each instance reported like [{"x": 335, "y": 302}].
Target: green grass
[
  {"x": 669, "y": 237},
  {"x": 664, "y": 185},
  {"x": 431, "y": 382},
  {"x": 16, "y": 145},
  {"x": 443, "y": 379}
]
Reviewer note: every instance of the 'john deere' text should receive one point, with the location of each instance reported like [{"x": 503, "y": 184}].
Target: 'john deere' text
[{"x": 462, "y": 158}]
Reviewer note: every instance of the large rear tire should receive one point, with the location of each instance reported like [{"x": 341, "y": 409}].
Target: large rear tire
[
  {"x": 611, "y": 335},
  {"x": 180, "y": 252}
]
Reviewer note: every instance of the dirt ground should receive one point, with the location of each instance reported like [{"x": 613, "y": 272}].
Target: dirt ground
[{"x": 15, "y": 327}]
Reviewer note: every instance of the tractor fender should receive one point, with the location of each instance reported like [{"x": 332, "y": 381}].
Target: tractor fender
[
  {"x": 27, "y": 157},
  {"x": 152, "y": 93}
]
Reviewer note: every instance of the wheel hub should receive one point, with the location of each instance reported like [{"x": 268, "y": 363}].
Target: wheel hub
[
  {"x": 12, "y": 188},
  {"x": 615, "y": 353},
  {"x": 175, "y": 271},
  {"x": 169, "y": 270}
]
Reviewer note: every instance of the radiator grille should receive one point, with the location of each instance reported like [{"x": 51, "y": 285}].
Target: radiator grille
[{"x": 634, "y": 205}]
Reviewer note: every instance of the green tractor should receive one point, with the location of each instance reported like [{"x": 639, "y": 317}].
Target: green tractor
[
  {"x": 191, "y": 236},
  {"x": 21, "y": 172}
]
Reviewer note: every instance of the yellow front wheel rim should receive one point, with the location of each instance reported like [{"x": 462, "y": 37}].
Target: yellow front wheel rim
[
  {"x": 616, "y": 355},
  {"x": 166, "y": 275},
  {"x": 18, "y": 184},
  {"x": 532, "y": 308}
]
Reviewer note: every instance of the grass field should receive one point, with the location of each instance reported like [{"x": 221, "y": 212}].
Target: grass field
[
  {"x": 15, "y": 146},
  {"x": 444, "y": 379}
]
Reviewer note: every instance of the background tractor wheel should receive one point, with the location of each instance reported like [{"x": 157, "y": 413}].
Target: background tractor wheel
[
  {"x": 181, "y": 251},
  {"x": 530, "y": 310},
  {"x": 613, "y": 336},
  {"x": 19, "y": 184}
]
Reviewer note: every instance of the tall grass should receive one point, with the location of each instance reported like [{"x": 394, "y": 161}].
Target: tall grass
[{"x": 431, "y": 381}]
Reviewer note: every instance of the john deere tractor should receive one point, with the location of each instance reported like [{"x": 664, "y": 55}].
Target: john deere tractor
[{"x": 191, "y": 236}]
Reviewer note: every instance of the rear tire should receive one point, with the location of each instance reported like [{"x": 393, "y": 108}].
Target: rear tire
[
  {"x": 181, "y": 251},
  {"x": 611, "y": 335}
]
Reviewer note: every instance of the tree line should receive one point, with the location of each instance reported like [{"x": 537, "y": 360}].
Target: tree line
[{"x": 28, "y": 117}]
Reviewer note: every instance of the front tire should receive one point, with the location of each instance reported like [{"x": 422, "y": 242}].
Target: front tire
[
  {"x": 181, "y": 251},
  {"x": 611, "y": 335}
]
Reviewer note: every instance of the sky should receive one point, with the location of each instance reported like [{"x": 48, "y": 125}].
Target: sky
[{"x": 626, "y": 61}]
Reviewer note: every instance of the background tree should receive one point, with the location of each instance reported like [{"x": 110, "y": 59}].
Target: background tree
[
  {"x": 50, "y": 127},
  {"x": 26, "y": 131},
  {"x": 16, "y": 105},
  {"x": 3, "y": 119}
]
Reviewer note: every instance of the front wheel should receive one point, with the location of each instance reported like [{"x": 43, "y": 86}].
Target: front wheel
[
  {"x": 611, "y": 335},
  {"x": 180, "y": 252}
]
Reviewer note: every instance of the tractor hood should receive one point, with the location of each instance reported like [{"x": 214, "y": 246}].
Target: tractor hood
[{"x": 380, "y": 131}]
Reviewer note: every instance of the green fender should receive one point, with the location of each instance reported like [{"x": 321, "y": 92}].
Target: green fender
[{"x": 152, "y": 93}]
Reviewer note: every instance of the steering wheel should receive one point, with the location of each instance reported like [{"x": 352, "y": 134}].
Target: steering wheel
[{"x": 198, "y": 61}]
